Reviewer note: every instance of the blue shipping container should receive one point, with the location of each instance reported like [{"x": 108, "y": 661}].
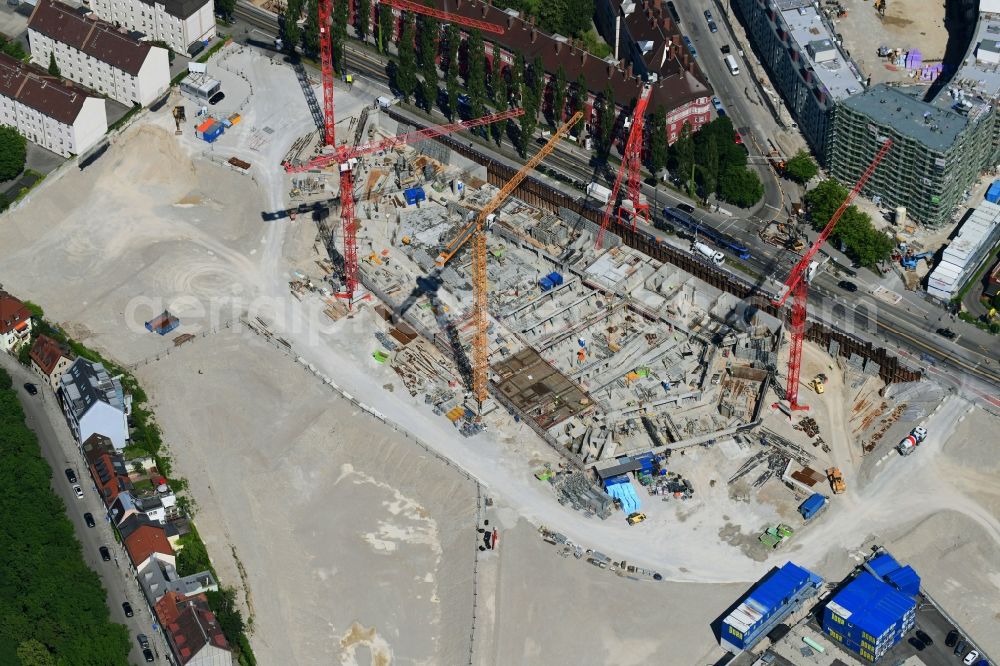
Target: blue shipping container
[
  {"x": 771, "y": 601},
  {"x": 213, "y": 133},
  {"x": 905, "y": 579},
  {"x": 413, "y": 195},
  {"x": 812, "y": 505},
  {"x": 555, "y": 278},
  {"x": 545, "y": 283},
  {"x": 881, "y": 565}
]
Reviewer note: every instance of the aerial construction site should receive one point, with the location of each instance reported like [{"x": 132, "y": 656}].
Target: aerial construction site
[{"x": 415, "y": 363}]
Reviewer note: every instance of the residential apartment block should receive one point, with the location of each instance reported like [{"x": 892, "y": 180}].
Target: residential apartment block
[
  {"x": 799, "y": 51},
  {"x": 15, "y": 323},
  {"x": 193, "y": 633},
  {"x": 97, "y": 55},
  {"x": 937, "y": 151},
  {"x": 54, "y": 114},
  {"x": 677, "y": 83},
  {"x": 94, "y": 402},
  {"x": 179, "y": 23}
]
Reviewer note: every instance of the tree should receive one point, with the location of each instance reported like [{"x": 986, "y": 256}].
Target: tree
[
  {"x": 225, "y": 7},
  {"x": 538, "y": 81},
  {"x": 32, "y": 653},
  {"x": 451, "y": 76},
  {"x": 683, "y": 155},
  {"x": 53, "y": 67},
  {"x": 658, "y": 146},
  {"x": 310, "y": 35},
  {"x": 709, "y": 167},
  {"x": 13, "y": 152},
  {"x": 385, "y": 27},
  {"x": 428, "y": 60},
  {"x": 581, "y": 97},
  {"x": 223, "y": 604},
  {"x": 406, "y": 72},
  {"x": 475, "y": 78},
  {"x": 290, "y": 31},
  {"x": 740, "y": 187},
  {"x": 854, "y": 231},
  {"x": 497, "y": 89},
  {"x": 362, "y": 18},
  {"x": 606, "y": 124},
  {"x": 558, "y": 96},
  {"x": 338, "y": 34},
  {"x": 801, "y": 168}
]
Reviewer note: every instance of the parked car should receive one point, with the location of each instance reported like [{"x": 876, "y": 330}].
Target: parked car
[
  {"x": 847, "y": 285},
  {"x": 971, "y": 658},
  {"x": 924, "y": 637},
  {"x": 737, "y": 138},
  {"x": 690, "y": 46},
  {"x": 105, "y": 553},
  {"x": 143, "y": 641},
  {"x": 917, "y": 644},
  {"x": 127, "y": 607},
  {"x": 31, "y": 388},
  {"x": 147, "y": 654},
  {"x": 708, "y": 15},
  {"x": 78, "y": 490},
  {"x": 952, "y": 638},
  {"x": 712, "y": 27},
  {"x": 960, "y": 648},
  {"x": 217, "y": 97},
  {"x": 89, "y": 519},
  {"x": 725, "y": 49},
  {"x": 717, "y": 103},
  {"x": 70, "y": 475},
  {"x": 947, "y": 333}
]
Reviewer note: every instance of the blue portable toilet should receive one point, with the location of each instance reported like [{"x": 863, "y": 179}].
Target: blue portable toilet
[{"x": 414, "y": 195}]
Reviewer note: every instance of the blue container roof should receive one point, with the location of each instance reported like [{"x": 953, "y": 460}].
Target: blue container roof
[
  {"x": 883, "y": 565},
  {"x": 780, "y": 586},
  {"x": 813, "y": 501},
  {"x": 870, "y": 604},
  {"x": 905, "y": 579}
]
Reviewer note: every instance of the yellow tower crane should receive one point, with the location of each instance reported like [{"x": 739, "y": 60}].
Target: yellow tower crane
[{"x": 480, "y": 285}]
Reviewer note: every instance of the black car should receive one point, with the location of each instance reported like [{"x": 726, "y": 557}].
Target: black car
[
  {"x": 960, "y": 648},
  {"x": 70, "y": 475},
  {"x": 31, "y": 388},
  {"x": 89, "y": 519},
  {"x": 143, "y": 641},
  {"x": 951, "y": 638},
  {"x": 927, "y": 640},
  {"x": 217, "y": 97},
  {"x": 105, "y": 553},
  {"x": 847, "y": 285},
  {"x": 712, "y": 28},
  {"x": 127, "y": 607},
  {"x": 147, "y": 654},
  {"x": 687, "y": 208},
  {"x": 947, "y": 333},
  {"x": 917, "y": 644}
]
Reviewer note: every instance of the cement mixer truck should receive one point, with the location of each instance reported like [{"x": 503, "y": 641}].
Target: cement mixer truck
[{"x": 912, "y": 441}]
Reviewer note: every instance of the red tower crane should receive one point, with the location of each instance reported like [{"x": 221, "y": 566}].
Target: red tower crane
[
  {"x": 325, "y": 11},
  {"x": 418, "y": 8},
  {"x": 797, "y": 284},
  {"x": 346, "y": 157},
  {"x": 631, "y": 164}
]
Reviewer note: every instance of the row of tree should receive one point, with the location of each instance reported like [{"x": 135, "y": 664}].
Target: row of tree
[
  {"x": 53, "y": 609},
  {"x": 855, "y": 234},
  {"x": 307, "y": 35}
]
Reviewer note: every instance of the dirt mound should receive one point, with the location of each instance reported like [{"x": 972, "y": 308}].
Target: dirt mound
[{"x": 151, "y": 156}]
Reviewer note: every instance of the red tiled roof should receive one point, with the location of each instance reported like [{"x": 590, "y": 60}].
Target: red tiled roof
[
  {"x": 189, "y": 624},
  {"x": 12, "y": 311},
  {"x": 46, "y": 353},
  {"x": 678, "y": 83},
  {"x": 95, "y": 38},
  {"x": 145, "y": 541},
  {"x": 33, "y": 87}
]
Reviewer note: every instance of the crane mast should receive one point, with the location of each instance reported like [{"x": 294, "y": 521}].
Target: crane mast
[
  {"x": 631, "y": 166},
  {"x": 797, "y": 284}
]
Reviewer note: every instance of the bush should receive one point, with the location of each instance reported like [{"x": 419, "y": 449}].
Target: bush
[{"x": 13, "y": 153}]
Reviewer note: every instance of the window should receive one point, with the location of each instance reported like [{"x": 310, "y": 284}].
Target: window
[
  {"x": 835, "y": 635},
  {"x": 836, "y": 618}
]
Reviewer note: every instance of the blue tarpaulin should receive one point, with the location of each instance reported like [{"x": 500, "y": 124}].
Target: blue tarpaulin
[{"x": 620, "y": 488}]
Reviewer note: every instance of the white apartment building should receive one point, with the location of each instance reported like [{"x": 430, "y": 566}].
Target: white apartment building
[
  {"x": 94, "y": 402},
  {"x": 46, "y": 111},
  {"x": 179, "y": 23},
  {"x": 97, "y": 55}
]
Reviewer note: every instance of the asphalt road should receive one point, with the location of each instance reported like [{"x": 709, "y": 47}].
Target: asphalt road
[
  {"x": 59, "y": 448},
  {"x": 966, "y": 364}
]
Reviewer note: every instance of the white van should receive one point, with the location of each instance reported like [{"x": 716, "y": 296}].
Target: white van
[{"x": 734, "y": 69}]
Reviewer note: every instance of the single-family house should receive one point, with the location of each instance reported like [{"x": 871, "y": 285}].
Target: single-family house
[
  {"x": 50, "y": 360},
  {"x": 193, "y": 633},
  {"x": 107, "y": 467},
  {"x": 159, "y": 577},
  {"x": 15, "y": 323},
  {"x": 144, "y": 540},
  {"x": 94, "y": 402}
]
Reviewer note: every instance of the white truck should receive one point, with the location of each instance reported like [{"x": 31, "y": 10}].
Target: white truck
[
  {"x": 714, "y": 256},
  {"x": 599, "y": 192},
  {"x": 912, "y": 441}
]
